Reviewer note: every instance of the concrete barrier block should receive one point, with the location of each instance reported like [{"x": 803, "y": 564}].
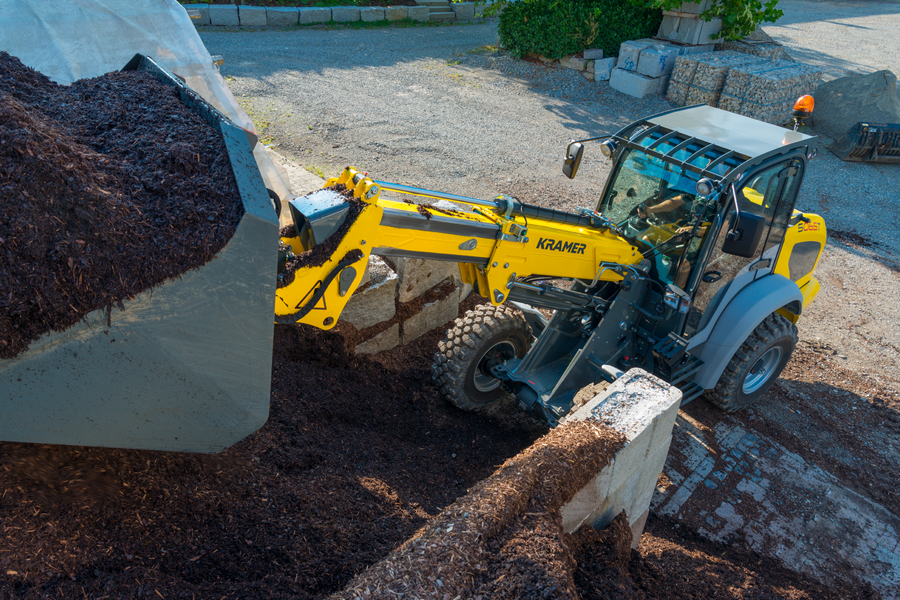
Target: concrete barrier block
[
  {"x": 603, "y": 68},
  {"x": 396, "y": 13},
  {"x": 418, "y": 276},
  {"x": 419, "y": 13},
  {"x": 433, "y": 314},
  {"x": 572, "y": 62},
  {"x": 464, "y": 10},
  {"x": 370, "y": 14},
  {"x": 252, "y": 16},
  {"x": 282, "y": 16},
  {"x": 633, "y": 84},
  {"x": 593, "y": 54},
  {"x": 668, "y": 29},
  {"x": 657, "y": 60},
  {"x": 387, "y": 339},
  {"x": 587, "y": 500},
  {"x": 314, "y": 15},
  {"x": 694, "y": 7},
  {"x": 224, "y": 15},
  {"x": 629, "y": 53},
  {"x": 345, "y": 14},
  {"x": 709, "y": 32},
  {"x": 203, "y": 9},
  {"x": 372, "y": 305}
]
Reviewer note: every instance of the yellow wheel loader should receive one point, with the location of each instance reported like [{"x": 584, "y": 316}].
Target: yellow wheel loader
[{"x": 694, "y": 265}]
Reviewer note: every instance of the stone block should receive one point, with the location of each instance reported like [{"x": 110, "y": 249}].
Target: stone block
[
  {"x": 593, "y": 54},
  {"x": 464, "y": 10},
  {"x": 370, "y": 14},
  {"x": 224, "y": 15},
  {"x": 603, "y": 68},
  {"x": 629, "y": 53},
  {"x": 690, "y": 31},
  {"x": 709, "y": 32},
  {"x": 433, "y": 314},
  {"x": 387, "y": 339},
  {"x": 589, "y": 67},
  {"x": 668, "y": 29},
  {"x": 633, "y": 84},
  {"x": 252, "y": 16},
  {"x": 396, "y": 13},
  {"x": 345, "y": 14},
  {"x": 657, "y": 60},
  {"x": 418, "y": 276},
  {"x": 572, "y": 62},
  {"x": 282, "y": 16},
  {"x": 372, "y": 305},
  {"x": 203, "y": 9},
  {"x": 314, "y": 15},
  {"x": 419, "y": 13},
  {"x": 694, "y": 8},
  {"x": 587, "y": 75},
  {"x": 586, "y": 500},
  {"x": 634, "y": 494},
  {"x": 698, "y": 49}
]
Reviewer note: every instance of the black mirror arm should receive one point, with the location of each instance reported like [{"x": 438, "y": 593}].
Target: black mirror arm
[
  {"x": 593, "y": 139},
  {"x": 734, "y": 234}
]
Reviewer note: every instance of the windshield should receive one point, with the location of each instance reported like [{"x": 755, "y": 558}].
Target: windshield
[{"x": 643, "y": 179}]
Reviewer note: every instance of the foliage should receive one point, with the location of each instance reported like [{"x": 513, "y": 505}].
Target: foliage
[
  {"x": 557, "y": 28},
  {"x": 739, "y": 17}
]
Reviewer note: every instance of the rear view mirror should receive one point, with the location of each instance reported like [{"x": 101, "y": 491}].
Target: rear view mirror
[
  {"x": 745, "y": 234},
  {"x": 573, "y": 160}
]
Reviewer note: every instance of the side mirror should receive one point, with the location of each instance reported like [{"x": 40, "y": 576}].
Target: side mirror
[
  {"x": 745, "y": 234},
  {"x": 573, "y": 160}
]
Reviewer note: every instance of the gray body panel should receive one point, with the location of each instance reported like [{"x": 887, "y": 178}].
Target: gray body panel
[
  {"x": 186, "y": 366},
  {"x": 731, "y": 327}
]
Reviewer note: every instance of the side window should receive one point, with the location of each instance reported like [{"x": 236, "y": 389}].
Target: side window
[{"x": 792, "y": 175}]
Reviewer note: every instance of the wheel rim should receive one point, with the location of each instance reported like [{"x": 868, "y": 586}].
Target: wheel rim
[
  {"x": 762, "y": 370},
  {"x": 496, "y": 354}
]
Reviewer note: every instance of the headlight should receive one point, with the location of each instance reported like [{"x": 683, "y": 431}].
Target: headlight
[
  {"x": 705, "y": 187},
  {"x": 608, "y": 148}
]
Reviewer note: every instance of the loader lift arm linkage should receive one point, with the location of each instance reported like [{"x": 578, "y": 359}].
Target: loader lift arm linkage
[{"x": 496, "y": 245}]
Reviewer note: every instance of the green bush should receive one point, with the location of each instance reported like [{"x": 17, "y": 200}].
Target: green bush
[{"x": 557, "y": 28}]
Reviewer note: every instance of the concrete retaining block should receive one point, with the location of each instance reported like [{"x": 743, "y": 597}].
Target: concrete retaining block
[
  {"x": 593, "y": 54},
  {"x": 252, "y": 16},
  {"x": 432, "y": 315},
  {"x": 657, "y": 60},
  {"x": 464, "y": 10},
  {"x": 603, "y": 68},
  {"x": 282, "y": 16},
  {"x": 387, "y": 339},
  {"x": 629, "y": 53},
  {"x": 418, "y": 276},
  {"x": 203, "y": 9},
  {"x": 572, "y": 62},
  {"x": 643, "y": 408},
  {"x": 395, "y": 13},
  {"x": 372, "y": 305},
  {"x": 345, "y": 14},
  {"x": 314, "y": 15},
  {"x": 690, "y": 30},
  {"x": 419, "y": 13},
  {"x": 370, "y": 14},
  {"x": 633, "y": 84},
  {"x": 224, "y": 15}
]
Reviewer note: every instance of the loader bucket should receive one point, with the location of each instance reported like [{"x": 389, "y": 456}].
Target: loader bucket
[
  {"x": 186, "y": 366},
  {"x": 869, "y": 142}
]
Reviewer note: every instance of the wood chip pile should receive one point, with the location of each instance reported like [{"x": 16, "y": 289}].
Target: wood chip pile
[
  {"x": 463, "y": 552},
  {"x": 742, "y": 83}
]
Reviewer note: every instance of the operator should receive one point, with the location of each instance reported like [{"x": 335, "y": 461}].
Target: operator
[
  {"x": 666, "y": 206},
  {"x": 673, "y": 210}
]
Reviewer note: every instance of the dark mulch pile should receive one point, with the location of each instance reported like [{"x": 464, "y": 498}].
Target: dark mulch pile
[
  {"x": 109, "y": 187},
  {"x": 358, "y": 454},
  {"x": 674, "y": 561}
]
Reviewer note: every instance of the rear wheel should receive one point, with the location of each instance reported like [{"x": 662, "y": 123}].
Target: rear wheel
[
  {"x": 756, "y": 365},
  {"x": 484, "y": 338}
]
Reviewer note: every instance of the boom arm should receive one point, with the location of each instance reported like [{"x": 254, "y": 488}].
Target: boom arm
[{"x": 495, "y": 244}]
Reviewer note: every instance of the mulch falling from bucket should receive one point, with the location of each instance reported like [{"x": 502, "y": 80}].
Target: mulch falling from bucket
[{"x": 109, "y": 187}]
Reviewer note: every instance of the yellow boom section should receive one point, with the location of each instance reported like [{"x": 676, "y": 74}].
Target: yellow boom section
[{"x": 492, "y": 249}]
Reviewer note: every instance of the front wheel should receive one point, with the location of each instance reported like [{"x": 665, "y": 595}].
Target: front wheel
[
  {"x": 484, "y": 338},
  {"x": 756, "y": 365}
]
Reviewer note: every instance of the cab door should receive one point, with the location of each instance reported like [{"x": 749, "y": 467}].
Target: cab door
[{"x": 762, "y": 192}]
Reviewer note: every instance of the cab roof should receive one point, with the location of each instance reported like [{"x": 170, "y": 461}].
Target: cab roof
[{"x": 710, "y": 141}]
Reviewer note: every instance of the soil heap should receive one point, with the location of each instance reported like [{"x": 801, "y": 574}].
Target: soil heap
[{"x": 107, "y": 187}]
